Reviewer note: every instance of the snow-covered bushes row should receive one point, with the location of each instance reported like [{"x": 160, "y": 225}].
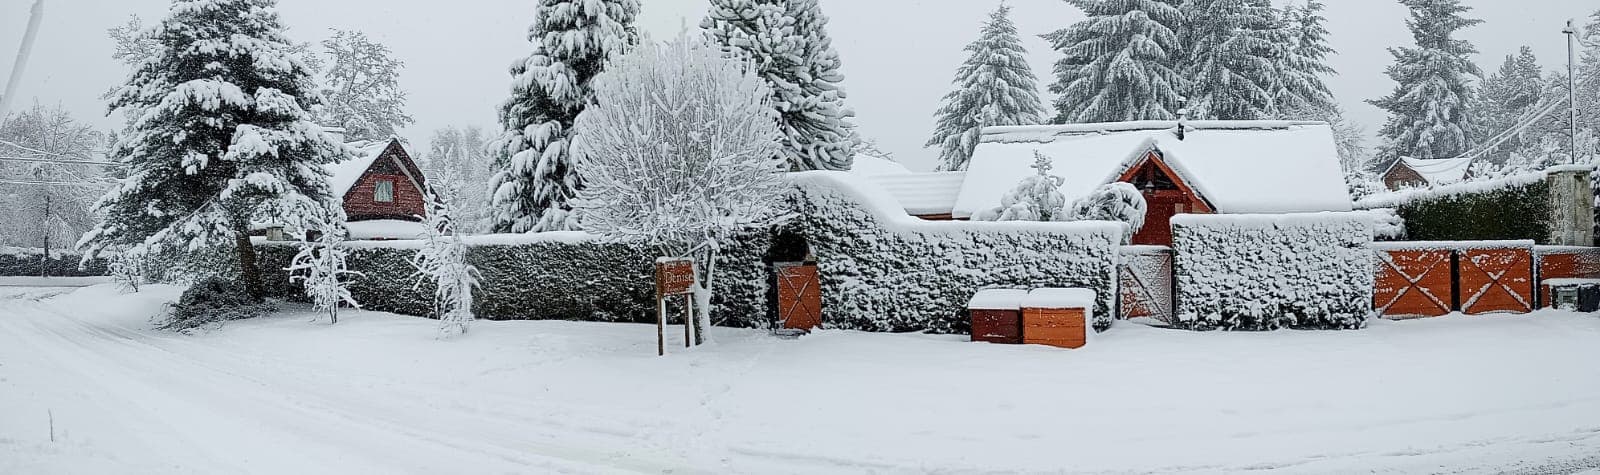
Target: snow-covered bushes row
[
  {"x": 1265, "y": 272},
  {"x": 547, "y": 276},
  {"x": 17, "y": 261},
  {"x": 1510, "y": 208},
  {"x": 883, "y": 270}
]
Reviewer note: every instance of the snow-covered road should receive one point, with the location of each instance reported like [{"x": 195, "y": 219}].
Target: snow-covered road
[{"x": 377, "y": 394}]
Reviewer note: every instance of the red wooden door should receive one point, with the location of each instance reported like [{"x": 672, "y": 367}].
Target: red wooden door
[
  {"x": 1161, "y": 206},
  {"x": 1413, "y": 283},
  {"x": 799, "y": 296},
  {"x": 1496, "y": 280}
]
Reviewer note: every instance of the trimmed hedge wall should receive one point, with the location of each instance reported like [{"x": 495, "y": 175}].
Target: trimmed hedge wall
[
  {"x": 61, "y": 264},
  {"x": 1513, "y": 213},
  {"x": 556, "y": 277}
]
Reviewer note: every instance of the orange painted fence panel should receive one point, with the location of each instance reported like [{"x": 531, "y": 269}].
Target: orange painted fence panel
[
  {"x": 799, "y": 296},
  {"x": 1565, "y": 262},
  {"x": 1496, "y": 280},
  {"x": 1429, "y": 279},
  {"x": 1414, "y": 282}
]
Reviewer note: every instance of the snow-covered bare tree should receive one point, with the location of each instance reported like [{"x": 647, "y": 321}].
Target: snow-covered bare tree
[
  {"x": 48, "y": 205},
  {"x": 535, "y": 174},
  {"x": 1428, "y": 109},
  {"x": 680, "y": 152},
  {"x": 133, "y": 45},
  {"x": 1235, "y": 56},
  {"x": 216, "y": 147},
  {"x": 1300, "y": 80},
  {"x": 1120, "y": 63},
  {"x": 462, "y": 152},
  {"x": 442, "y": 260},
  {"x": 1036, "y": 198},
  {"x": 320, "y": 266},
  {"x": 362, "y": 88},
  {"x": 994, "y": 86},
  {"x": 1117, "y": 201},
  {"x": 787, "y": 43}
]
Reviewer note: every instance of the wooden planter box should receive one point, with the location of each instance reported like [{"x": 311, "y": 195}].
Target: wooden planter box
[
  {"x": 1058, "y": 317},
  {"x": 997, "y": 316}
]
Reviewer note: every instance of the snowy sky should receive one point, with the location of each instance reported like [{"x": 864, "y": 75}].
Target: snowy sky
[{"x": 898, "y": 55}]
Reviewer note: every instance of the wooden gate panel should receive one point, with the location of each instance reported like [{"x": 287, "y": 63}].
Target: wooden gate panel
[
  {"x": 1413, "y": 283},
  {"x": 1496, "y": 280},
  {"x": 799, "y": 296},
  {"x": 1146, "y": 284}
]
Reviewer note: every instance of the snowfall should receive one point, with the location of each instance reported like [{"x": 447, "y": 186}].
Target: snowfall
[{"x": 87, "y": 387}]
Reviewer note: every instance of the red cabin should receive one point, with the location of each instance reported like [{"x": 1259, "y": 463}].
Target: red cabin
[{"x": 382, "y": 190}]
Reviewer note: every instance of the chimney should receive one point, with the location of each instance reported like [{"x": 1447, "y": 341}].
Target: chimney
[{"x": 1183, "y": 117}]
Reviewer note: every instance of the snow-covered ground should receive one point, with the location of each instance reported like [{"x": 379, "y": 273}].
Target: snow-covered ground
[{"x": 377, "y": 394}]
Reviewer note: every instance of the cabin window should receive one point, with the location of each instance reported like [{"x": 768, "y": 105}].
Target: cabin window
[{"x": 384, "y": 192}]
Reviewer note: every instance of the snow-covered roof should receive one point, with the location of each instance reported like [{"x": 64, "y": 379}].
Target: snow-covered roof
[
  {"x": 1060, "y": 298},
  {"x": 386, "y": 229},
  {"x": 1237, "y": 166},
  {"x": 923, "y": 193},
  {"x": 998, "y": 299},
  {"x": 1439, "y": 171},
  {"x": 868, "y": 165},
  {"x": 344, "y": 175}
]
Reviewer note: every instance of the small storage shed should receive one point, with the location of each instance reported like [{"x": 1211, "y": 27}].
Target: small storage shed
[
  {"x": 1205, "y": 167},
  {"x": 1410, "y": 172},
  {"x": 382, "y": 189},
  {"x": 997, "y": 315},
  {"x": 1058, "y": 317}
]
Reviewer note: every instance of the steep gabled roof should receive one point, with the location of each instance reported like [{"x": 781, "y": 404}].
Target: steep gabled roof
[
  {"x": 1437, "y": 171},
  {"x": 1238, "y": 166},
  {"x": 344, "y": 175}
]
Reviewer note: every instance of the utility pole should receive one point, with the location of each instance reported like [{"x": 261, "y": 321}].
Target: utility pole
[
  {"x": 1572, "y": 89},
  {"x": 35, "y": 16}
]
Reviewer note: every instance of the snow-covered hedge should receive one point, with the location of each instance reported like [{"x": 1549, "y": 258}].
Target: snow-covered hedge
[
  {"x": 883, "y": 270},
  {"x": 1264, "y": 272},
  {"x": 1509, "y": 208},
  {"x": 19, "y": 261},
  {"x": 548, "y": 276}
]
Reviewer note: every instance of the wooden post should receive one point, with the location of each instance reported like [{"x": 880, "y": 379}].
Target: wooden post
[
  {"x": 661, "y": 326},
  {"x": 688, "y": 321}
]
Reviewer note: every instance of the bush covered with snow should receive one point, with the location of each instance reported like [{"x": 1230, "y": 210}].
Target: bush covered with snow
[
  {"x": 1116, "y": 201},
  {"x": 209, "y": 303},
  {"x": 1510, "y": 208},
  {"x": 883, "y": 270},
  {"x": 18, "y": 261},
  {"x": 1265, "y": 272}
]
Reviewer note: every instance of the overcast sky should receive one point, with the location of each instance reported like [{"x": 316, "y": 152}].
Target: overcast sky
[{"x": 898, "y": 55}]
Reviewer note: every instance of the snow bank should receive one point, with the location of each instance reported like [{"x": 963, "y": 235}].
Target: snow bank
[
  {"x": 884, "y": 270},
  {"x": 1451, "y": 245},
  {"x": 924, "y": 193},
  {"x": 1263, "y": 272},
  {"x": 386, "y": 229}
]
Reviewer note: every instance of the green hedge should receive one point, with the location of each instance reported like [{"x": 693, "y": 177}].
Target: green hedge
[
  {"x": 60, "y": 264},
  {"x": 583, "y": 280},
  {"x": 1512, "y": 213}
]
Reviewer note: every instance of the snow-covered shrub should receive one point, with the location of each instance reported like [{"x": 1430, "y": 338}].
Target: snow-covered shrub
[
  {"x": 30, "y": 262},
  {"x": 1265, "y": 272},
  {"x": 210, "y": 303},
  {"x": 1035, "y": 198},
  {"x": 443, "y": 261},
  {"x": 1511, "y": 208},
  {"x": 883, "y": 270},
  {"x": 130, "y": 269},
  {"x": 679, "y": 153},
  {"x": 320, "y": 268},
  {"x": 1117, "y": 201}
]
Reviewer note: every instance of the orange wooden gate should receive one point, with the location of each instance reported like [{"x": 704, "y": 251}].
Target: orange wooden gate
[
  {"x": 1496, "y": 280},
  {"x": 1146, "y": 283},
  {"x": 1414, "y": 282},
  {"x": 799, "y": 295}
]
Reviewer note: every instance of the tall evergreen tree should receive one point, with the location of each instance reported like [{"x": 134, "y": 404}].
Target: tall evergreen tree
[
  {"x": 1235, "y": 49},
  {"x": 1300, "y": 85},
  {"x": 788, "y": 44},
  {"x": 1119, "y": 63},
  {"x": 224, "y": 138},
  {"x": 535, "y": 177},
  {"x": 994, "y": 86},
  {"x": 1504, "y": 98},
  {"x": 1428, "y": 109}
]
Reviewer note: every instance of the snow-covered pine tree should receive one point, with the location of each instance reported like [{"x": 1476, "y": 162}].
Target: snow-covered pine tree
[
  {"x": 535, "y": 177},
  {"x": 1428, "y": 109},
  {"x": 994, "y": 86},
  {"x": 1504, "y": 99},
  {"x": 1036, "y": 198},
  {"x": 320, "y": 266},
  {"x": 224, "y": 138},
  {"x": 443, "y": 259},
  {"x": 1299, "y": 84},
  {"x": 681, "y": 154},
  {"x": 1237, "y": 54},
  {"x": 1116, "y": 201},
  {"x": 787, "y": 43},
  {"x": 1120, "y": 62},
  {"x": 362, "y": 88}
]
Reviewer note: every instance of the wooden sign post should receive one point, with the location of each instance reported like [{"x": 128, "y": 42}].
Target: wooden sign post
[{"x": 674, "y": 276}]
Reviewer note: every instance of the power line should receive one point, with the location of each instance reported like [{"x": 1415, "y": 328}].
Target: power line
[
  {"x": 57, "y": 183},
  {"x": 61, "y": 162}
]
